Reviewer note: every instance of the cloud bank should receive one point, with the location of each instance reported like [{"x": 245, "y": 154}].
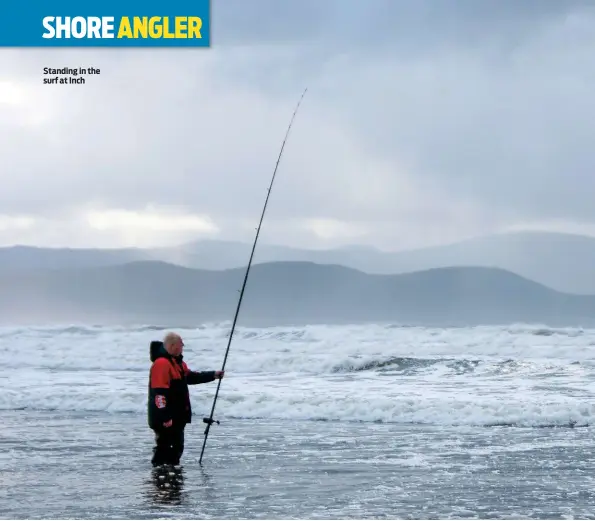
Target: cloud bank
[{"x": 424, "y": 122}]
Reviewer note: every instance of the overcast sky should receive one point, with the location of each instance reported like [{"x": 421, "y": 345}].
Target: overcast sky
[{"x": 424, "y": 122}]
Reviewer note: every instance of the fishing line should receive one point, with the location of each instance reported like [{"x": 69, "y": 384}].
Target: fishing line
[{"x": 209, "y": 421}]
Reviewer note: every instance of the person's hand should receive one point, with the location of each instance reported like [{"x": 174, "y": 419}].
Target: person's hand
[
  {"x": 219, "y": 374},
  {"x": 168, "y": 423}
]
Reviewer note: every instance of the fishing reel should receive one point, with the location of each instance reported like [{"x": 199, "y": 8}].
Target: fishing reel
[{"x": 209, "y": 422}]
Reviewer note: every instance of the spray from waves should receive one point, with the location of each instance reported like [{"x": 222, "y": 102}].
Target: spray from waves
[
  {"x": 459, "y": 376},
  {"x": 97, "y": 329},
  {"x": 334, "y": 405},
  {"x": 297, "y": 364},
  {"x": 321, "y": 350},
  {"x": 392, "y": 363},
  {"x": 278, "y": 332},
  {"x": 405, "y": 365},
  {"x": 543, "y": 330},
  {"x": 514, "y": 329}
]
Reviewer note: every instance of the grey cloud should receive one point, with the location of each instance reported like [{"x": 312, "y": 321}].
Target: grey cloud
[
  {"x": 412, "y": 26},
  {"x": 506, "y": 122},
  {"x": 423, "y": 119},
  {"x": 515, "y": 134}
]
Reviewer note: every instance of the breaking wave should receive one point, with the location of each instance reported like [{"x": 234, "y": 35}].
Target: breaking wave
[{"x": 377, "y": 373}]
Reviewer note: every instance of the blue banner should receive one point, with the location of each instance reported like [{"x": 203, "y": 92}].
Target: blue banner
[{"x": 105, "y": 23}]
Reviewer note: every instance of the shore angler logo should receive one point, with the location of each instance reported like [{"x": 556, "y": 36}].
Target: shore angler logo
[
  {"x": 135, "y": 27},
  {"x": 106, "y": 23}
]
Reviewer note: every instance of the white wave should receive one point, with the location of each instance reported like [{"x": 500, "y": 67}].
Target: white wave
[
  {"x": 336, "y": 400},
  {"x": 521, "y": 375},
  {"x": 315, "y": 349}
]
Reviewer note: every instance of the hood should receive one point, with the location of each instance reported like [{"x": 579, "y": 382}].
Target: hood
[{"x": 157, "y": 350}]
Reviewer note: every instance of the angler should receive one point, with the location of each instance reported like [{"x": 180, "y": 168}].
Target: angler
[{"x": 169, "y": 409}]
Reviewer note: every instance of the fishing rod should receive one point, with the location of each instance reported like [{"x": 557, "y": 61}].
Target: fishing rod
[{"x": 209, "y": 421}]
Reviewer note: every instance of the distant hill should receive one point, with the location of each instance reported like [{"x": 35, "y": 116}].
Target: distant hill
[
  {"x": 283, "y": 293},
  {"x": 32, "y": 257},
  {"x": 563, "y": 262}
]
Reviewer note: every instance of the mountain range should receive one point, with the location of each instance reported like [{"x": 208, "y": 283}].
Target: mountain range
[
  {"x": 563, "y": 262},
  {"x": 282, "y": 293}
]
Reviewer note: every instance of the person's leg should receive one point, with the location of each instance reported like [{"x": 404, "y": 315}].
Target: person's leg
[
  {"x": 169, "y": 447},
  {"x": 162, "y": 452},
  {"x": 177, "y": 445}
]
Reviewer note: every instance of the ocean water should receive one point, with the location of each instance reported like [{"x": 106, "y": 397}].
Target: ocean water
[{"x": 325, "y": 422}]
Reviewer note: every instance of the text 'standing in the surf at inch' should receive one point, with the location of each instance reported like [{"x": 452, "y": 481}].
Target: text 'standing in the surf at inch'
[{"x": 68, "y": 75}]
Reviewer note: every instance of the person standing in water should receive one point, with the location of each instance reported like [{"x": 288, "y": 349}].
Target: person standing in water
[{"x": 169, "y": 409}]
